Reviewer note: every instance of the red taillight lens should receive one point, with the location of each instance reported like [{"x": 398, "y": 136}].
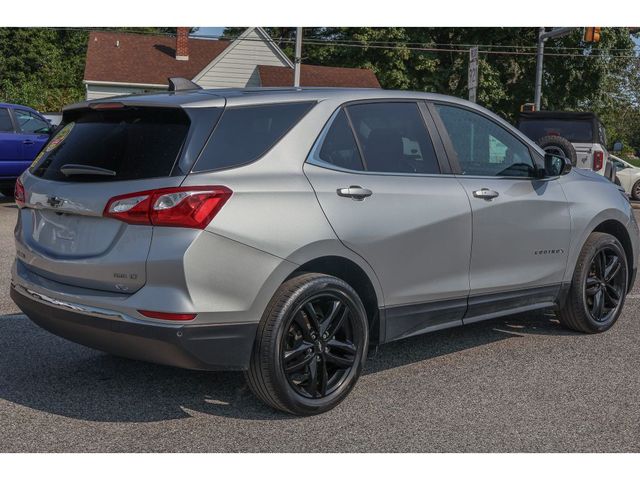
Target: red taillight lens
[
  {"x": 190, "y": 207},
  {"x": 180, "y": 317},
  {"x": 598, "y": 160},
  {"x": 18, "y": 193}
]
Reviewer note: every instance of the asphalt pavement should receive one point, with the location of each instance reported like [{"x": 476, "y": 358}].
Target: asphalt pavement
[{"x": 520, "y": 383}]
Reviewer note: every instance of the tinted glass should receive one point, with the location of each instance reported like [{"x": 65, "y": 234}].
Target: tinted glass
[
  {"x": 339, "y": 147},
  {"x": 5, "y": 121},
  {"x": 579, "y": 131},
  {"x": 30, "y": 123},
  {"x": 483, "y": 147},
  {"x": 244, "y": 134},
  {"x": 393, "y": 138},
  {"x": 136, "y": 143}
]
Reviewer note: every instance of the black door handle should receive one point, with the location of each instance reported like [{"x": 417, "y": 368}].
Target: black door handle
[
  {"x": 28, "y": 142},
  {"x": 354, "y": 191}
]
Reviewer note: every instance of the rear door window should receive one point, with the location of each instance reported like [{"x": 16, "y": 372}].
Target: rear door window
[
  {"x": 135, "y": 143},
  {"x": 5, "y": 121},
  {"x": 393, "y": 138},
  {"x": 244, "y": 134}
]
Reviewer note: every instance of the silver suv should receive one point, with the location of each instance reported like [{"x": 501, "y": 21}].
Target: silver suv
[{"x": 282, "y": 232}]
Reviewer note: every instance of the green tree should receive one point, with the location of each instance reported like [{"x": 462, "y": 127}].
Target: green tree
[{"x": 44, "y": 67}]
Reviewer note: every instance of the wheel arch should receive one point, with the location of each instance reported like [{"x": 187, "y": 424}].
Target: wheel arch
[
  {"x": 352, "y": 273},
  {"x": 619, "y": 231}
]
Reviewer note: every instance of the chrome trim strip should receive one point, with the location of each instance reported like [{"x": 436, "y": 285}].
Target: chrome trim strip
[{"x": 83, "y": 309}]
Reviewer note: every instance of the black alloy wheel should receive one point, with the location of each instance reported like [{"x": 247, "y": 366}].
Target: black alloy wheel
[
  {"x": 311, "y": 345},
  {"x": 604, "y": 285},
  {"x": 318, "y": 350}
]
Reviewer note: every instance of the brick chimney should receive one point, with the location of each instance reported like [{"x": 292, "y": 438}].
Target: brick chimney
[{"x": 182, "y": 43}]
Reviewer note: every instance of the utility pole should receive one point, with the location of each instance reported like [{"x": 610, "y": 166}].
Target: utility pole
[
  {"x": 298, "y": 58},
  {"x": 543, "y": 35}
]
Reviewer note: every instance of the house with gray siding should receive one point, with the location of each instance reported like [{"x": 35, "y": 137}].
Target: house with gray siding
[{"x": 123, "y": 63}]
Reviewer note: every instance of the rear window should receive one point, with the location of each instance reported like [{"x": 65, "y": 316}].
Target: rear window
[
  {"x": 135, "y": 143},
  {"x": 577, "y": 131},
  {"x": 244, "y": 134}
]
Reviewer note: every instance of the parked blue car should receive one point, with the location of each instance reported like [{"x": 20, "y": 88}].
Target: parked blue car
[{"x": 23, "y": 133}]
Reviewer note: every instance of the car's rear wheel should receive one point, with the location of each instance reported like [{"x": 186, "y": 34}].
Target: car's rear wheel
[
  {"x": 311, "y": 345},
  {"x": 635, "y": 191},
  {"x": 599, "y": 286}
]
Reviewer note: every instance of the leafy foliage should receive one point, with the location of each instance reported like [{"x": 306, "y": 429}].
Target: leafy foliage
[
  {"x": 43, "y": 67},
  {"x": 603, "y": 77}
]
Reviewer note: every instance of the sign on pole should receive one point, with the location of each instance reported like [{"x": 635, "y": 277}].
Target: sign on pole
[{"x": 473, "y": 73}]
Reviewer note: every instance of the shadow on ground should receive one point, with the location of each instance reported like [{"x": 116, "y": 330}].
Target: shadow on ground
[{"x": 41, "y": 371}]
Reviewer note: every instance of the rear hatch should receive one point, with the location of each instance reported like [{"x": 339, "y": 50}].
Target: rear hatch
[{"x": 99, "y": 152}]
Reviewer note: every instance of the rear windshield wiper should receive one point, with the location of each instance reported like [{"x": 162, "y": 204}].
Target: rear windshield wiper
[{"x": 76, "y": 169}]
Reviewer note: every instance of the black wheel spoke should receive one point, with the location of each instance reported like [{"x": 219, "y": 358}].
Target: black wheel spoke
[
  {"x": 612, "y": 269},
  {"x": 307, "y": 329},
  {"x": 290, "y": 355},
  {"x": 338, "y": 361},
  {"x": 336, "y": 323},
  {"x": 324, "y": 376},
  {"x": 613, "y": 293},
  {"x": 312, "y": 315},
  {"x": 336, "y": 307},
  {"x": 601, "y": 264},
  {"x": 346, "y": 347},
  {"x": 598, "y": 305},
  {"x": 593, "y": 285},
  {"x": 313, "y": 376},
  {"x": 298, "y": 365}
]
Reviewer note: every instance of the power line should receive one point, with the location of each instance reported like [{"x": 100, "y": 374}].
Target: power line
[{"x": 398, "y": 45}]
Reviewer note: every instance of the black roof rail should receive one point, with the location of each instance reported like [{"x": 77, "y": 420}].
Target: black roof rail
[{"x": 179, "y": 84}]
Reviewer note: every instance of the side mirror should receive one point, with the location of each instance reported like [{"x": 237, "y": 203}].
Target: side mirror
[
  {"x": 555, "y": 165},
  {"x": 618, "y": 146}
]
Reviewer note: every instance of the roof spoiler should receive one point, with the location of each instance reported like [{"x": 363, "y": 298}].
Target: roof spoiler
[{"x": 179, "y": 84}]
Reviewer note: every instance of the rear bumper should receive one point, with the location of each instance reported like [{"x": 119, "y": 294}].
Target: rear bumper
[{"x": 201, "y": 347}]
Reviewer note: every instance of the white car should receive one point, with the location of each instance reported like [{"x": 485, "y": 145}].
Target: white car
[{"x": 628, "y": 176}]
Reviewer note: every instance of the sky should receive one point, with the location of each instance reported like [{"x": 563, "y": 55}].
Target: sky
[{"x": 210, "y": 31}]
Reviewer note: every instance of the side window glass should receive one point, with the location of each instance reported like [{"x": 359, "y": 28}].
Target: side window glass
[
  {"x": 393, "y": 138},
  {"x": 30, "y": 123},
  {"x": 5, "y": 121},
  {"x": 339, "y": 147},
  {"x": 483, "y": 147}
]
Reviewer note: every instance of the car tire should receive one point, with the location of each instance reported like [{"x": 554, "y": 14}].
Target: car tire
[
  {"x": 601, "y": 275},
  {"x": 635, "y": 191},
  {"x": 294, "y": 366},
  {"x": 556, "y": 144}
]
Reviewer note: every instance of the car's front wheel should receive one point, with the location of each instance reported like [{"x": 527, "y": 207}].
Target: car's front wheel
[
  {"x": 311, "y": 345},
  {"x": 599, "y": 286}
]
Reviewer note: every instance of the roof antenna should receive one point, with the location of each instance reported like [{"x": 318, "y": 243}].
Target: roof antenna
[{"x": 178, "y": 84}]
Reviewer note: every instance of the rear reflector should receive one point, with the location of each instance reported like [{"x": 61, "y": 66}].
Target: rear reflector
[
  {"x": 180, "y": 317},
  {"x": 598, "y": 160},
  {"x": 189, "y": 207},
  {"x": 18, "y": 193}
]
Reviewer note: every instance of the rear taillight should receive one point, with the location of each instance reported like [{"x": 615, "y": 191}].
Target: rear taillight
[
  {"x": 18, "y": 193},
  {"x": 190, "y": 207},
  {"x": 598, "y": 160}
]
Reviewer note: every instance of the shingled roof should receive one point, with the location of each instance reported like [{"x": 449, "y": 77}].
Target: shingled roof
[
  {"x": 128, "y": 58},
  {"x": 318, "y": 76},
  {"x": 145, "y": 59}
]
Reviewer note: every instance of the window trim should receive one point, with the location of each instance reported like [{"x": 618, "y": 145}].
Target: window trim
[
  {"x": 11, "y": 119},
  {"x": 445, "y": 167},
  {"x": 453, "y": 156},
  {"x": 312, "y": 104}
]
